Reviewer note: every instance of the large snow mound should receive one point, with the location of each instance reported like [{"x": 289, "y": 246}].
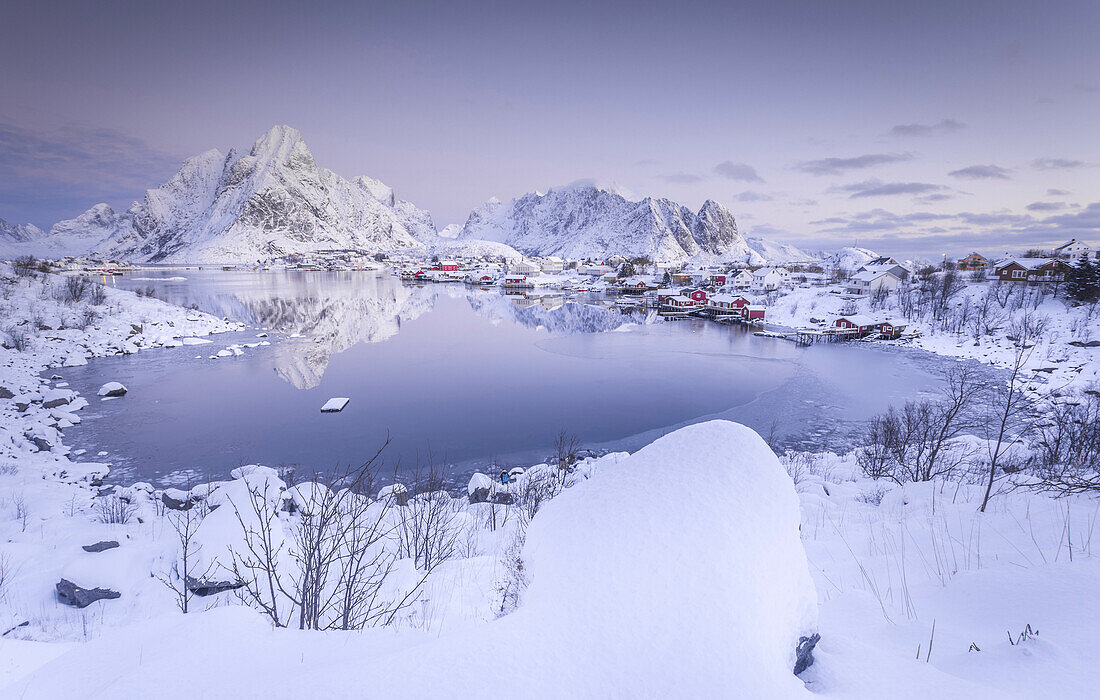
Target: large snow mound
[{"x": 678, "y": 572}]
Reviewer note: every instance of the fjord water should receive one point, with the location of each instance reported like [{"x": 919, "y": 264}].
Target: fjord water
[{"x": 455, "y": 376}]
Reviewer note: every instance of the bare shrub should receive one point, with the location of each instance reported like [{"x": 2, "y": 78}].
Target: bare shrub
[
  {"x": 185, "y": 523},
  {"x": 7, "y": 573},
  {"x": 426, "y": 531},
  {"x": 873, "y": 496},
  {"x": 918, "y": 442},
  {"x": 515, "y": 579},
  {"x": 24, "y": 265},
  {"x": 536, "y": 487},
  {"x": 17, "y": 338},
  {"x": 97, "y": 294},
  {"x": 331, "y": 566},
  {"x": 74, "y": 289},
  {"x": 113, "y": 510},
  {"x": 566, "y": 452},
  {"x": 21, "y": 512},
  {"x": 87, "y": 318}
]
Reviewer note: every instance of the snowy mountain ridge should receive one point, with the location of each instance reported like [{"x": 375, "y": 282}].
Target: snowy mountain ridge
[
  {"x": 15, "y": 237},
  {"x": 276, "y": 200},
  {"x": 584, "y": 220}
]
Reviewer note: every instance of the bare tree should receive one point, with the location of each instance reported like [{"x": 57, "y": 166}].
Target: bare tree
[
  {"x": 1008, "y": 414},
  {"x": 566, "y": 453},
  {"x": 185, "y": 523},
  {"x": 426, "y": 528},
  {"x": 919, "y": 441}
]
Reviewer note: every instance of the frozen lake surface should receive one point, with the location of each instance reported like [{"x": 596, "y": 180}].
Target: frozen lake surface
[{"x": 456, "y": 376}]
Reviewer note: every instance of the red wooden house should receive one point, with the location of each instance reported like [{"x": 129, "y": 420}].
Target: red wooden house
[
  {"x": 857, "y": 322},
  {"x": 752, "y": 312}
]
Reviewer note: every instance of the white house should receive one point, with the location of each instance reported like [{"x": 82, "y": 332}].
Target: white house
[
  {"x": 595, "y": 270},
  {"x": 899, "y": 270},
  {"x": 742, "y": 280},
  {"x": 552, "y": 265},
  {"x": 869, "y": 281},
  {"x": 524, "y": 267},
  {"x": 1072, "y": 249},
  {"x": 770, "y": 278}
]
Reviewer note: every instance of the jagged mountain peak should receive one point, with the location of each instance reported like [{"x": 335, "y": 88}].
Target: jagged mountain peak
[
  {"x": 587, "y": 220},
  {"x": 272, "y": 201}
]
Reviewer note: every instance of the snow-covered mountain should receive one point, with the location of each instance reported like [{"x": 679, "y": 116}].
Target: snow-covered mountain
[
  {"x": 15, "y": 239},
  {"x": 584, "y": 220},
  {"x": 848, "y": 259},
  {"x": 230, "y": 207}
]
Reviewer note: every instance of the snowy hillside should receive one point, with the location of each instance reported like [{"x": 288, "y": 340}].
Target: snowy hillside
[
  {"x": 849, "y": 259},
  {"x": 242, "y": 208},
  {"x": 580, "y": 221}
]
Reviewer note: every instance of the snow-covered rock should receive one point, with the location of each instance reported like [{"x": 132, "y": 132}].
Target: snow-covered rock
[{"x": 112, "y": 389}]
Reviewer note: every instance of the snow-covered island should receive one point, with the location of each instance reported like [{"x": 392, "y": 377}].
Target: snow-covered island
[{"x": 703, "y": 564}]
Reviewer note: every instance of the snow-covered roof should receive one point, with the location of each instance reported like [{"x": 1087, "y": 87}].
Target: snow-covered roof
[
  {"x": 871, "y": 275},
  {"x": 1071, "y": 242},
  {"x": 1028, "y": 263},
  {"x": 860, "y": 320}
]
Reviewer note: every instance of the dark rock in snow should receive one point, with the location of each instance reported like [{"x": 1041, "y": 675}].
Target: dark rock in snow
[
  {"x": 480, "y": 495},
  {"x": 6, "y": 393},
  {"x": 503, "y": 498},
  {"x": 203, "y": 587},
  {"x": 804, "y": 653},
  {"x": 100, "y": 546},
  {"x": 42, "y": 444},
  {"x": 22, "y": 406},
  {"x": 55, "y": 402},
  {"x": 71, "y": 594},
  {"x": 170, "y": 498}
]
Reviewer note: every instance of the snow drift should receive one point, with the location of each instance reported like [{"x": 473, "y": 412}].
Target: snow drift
[{"x": 678, "y": 572}]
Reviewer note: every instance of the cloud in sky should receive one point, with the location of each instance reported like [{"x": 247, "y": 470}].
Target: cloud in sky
[
  {"x": 878, "y": 188},
  {"x": 74, "y": 167},
  {"x": 1046, "y": 206},
  {"x": 944, "y": 126},
  {"x": 839, "y": 166},
  {"x": 981, "y": 172},
  {"x": 752, "y": 196},
  {"x": 737, "y": 171},
  {"x": 1057, "y": 164},
  {"x": 1057, "y": 193}
]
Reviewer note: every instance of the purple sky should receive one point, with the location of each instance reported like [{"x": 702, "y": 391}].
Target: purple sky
[{"x": 914, "y": 129}]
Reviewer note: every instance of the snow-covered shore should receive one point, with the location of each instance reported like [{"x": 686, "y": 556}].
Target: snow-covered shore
[
  {"x": 1061, "y": 360},
  {"x": 53, "y": 321}
]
